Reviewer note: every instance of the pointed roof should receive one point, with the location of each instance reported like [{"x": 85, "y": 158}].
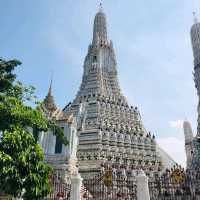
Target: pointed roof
[{"x": 49, "y": 102}]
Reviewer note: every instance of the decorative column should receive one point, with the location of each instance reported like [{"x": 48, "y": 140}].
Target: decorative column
[
  {"x": 142, "y": 186},
  {"x": 76, "y": 182}
]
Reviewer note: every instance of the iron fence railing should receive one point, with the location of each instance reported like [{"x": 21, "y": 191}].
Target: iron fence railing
[
  {"x": 60, "y": 189},
  {"x": 175, "y": 184},
  {"x": 110, "y": 185}
]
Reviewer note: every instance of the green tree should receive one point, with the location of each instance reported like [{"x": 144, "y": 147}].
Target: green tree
[{"x": 23, "y": 171}]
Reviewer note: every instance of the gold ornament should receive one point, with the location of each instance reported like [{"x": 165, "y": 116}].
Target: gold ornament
[
  {"x": 107, "y": 178},
  {"x": 178, "y": 176}
]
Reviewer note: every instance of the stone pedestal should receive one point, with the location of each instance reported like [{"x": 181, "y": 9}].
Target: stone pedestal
[
  {"x": 142, "y": 186},
  {"x": 76, "y": 182}
]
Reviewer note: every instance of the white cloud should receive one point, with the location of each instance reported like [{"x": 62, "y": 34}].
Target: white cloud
[
  {"x": 175, "y": 148},
  {"x": 176, "y": 124}
]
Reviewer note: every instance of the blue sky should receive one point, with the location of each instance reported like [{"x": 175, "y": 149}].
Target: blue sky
[{"x": 152, "y": 44}]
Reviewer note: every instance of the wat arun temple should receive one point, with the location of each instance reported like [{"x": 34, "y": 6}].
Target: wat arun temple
[{"x": 100, "y": 125}]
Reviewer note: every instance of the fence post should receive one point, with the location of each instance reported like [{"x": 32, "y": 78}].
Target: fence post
[
  {"x": 76, "y": 182},
  {"x": 142, "y": 186}
]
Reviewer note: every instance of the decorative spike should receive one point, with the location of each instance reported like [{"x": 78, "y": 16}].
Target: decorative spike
[
  {"x": 51, "y": 83},
  {"x": 50, "y": 88}
]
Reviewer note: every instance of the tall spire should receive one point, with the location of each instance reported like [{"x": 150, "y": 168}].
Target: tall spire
[
  {"x": 100, "y": 26},
  {"x": 100, "y": 66},
  {"x": 50, "y": 87},
  {"x": 49, "y": 100}
]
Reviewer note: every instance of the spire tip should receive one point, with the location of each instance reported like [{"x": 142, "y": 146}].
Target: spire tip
[
  {"x": 51, "y": 82},
  {"x": 100, "y": 7},
  {"x": 195, "y": 17}
]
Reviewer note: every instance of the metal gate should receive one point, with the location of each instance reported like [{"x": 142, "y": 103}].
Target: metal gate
[
  {"x": 60, "y": 189},
  {"x": 110, "y": 185},
  {"x": 175, "y": 184}
]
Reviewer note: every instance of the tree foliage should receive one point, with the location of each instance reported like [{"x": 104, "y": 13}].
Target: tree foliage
[{"x": 23, "y": 171}]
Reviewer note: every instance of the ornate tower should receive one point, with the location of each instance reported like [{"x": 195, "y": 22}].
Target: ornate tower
[
  {"x": 62, "y": 158},
  {"x": 49, "y": 102},
  {"x": 188, "y": 142},
  {"x": 195, "y": 38},
  {"x": 110, "y": 131}
]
